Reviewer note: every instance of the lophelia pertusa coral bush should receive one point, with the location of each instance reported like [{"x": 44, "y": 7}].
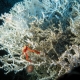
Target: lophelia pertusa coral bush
[{"x": 51, "y": 27}]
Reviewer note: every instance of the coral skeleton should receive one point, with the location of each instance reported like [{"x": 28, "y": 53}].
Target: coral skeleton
[{"x": 51, "y": 27}]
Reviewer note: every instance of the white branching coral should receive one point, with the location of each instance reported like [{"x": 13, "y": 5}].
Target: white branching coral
[{"x": 42, "y": 24}]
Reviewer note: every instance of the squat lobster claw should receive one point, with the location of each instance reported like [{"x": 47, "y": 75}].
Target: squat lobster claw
[{"x": 25, "y": 51}]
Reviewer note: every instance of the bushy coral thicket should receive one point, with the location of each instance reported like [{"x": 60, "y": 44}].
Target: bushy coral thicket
[{"x": 49, "y": 26}]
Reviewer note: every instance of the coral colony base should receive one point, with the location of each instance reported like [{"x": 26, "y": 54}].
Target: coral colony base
[{"x": 51, "y": 27}]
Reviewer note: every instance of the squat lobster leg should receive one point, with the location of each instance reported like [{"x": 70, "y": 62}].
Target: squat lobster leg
[{"x": 27, "y": 58}]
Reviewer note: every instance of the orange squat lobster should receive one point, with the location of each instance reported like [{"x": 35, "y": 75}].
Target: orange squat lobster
[{"x": 25, "y": 51}]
